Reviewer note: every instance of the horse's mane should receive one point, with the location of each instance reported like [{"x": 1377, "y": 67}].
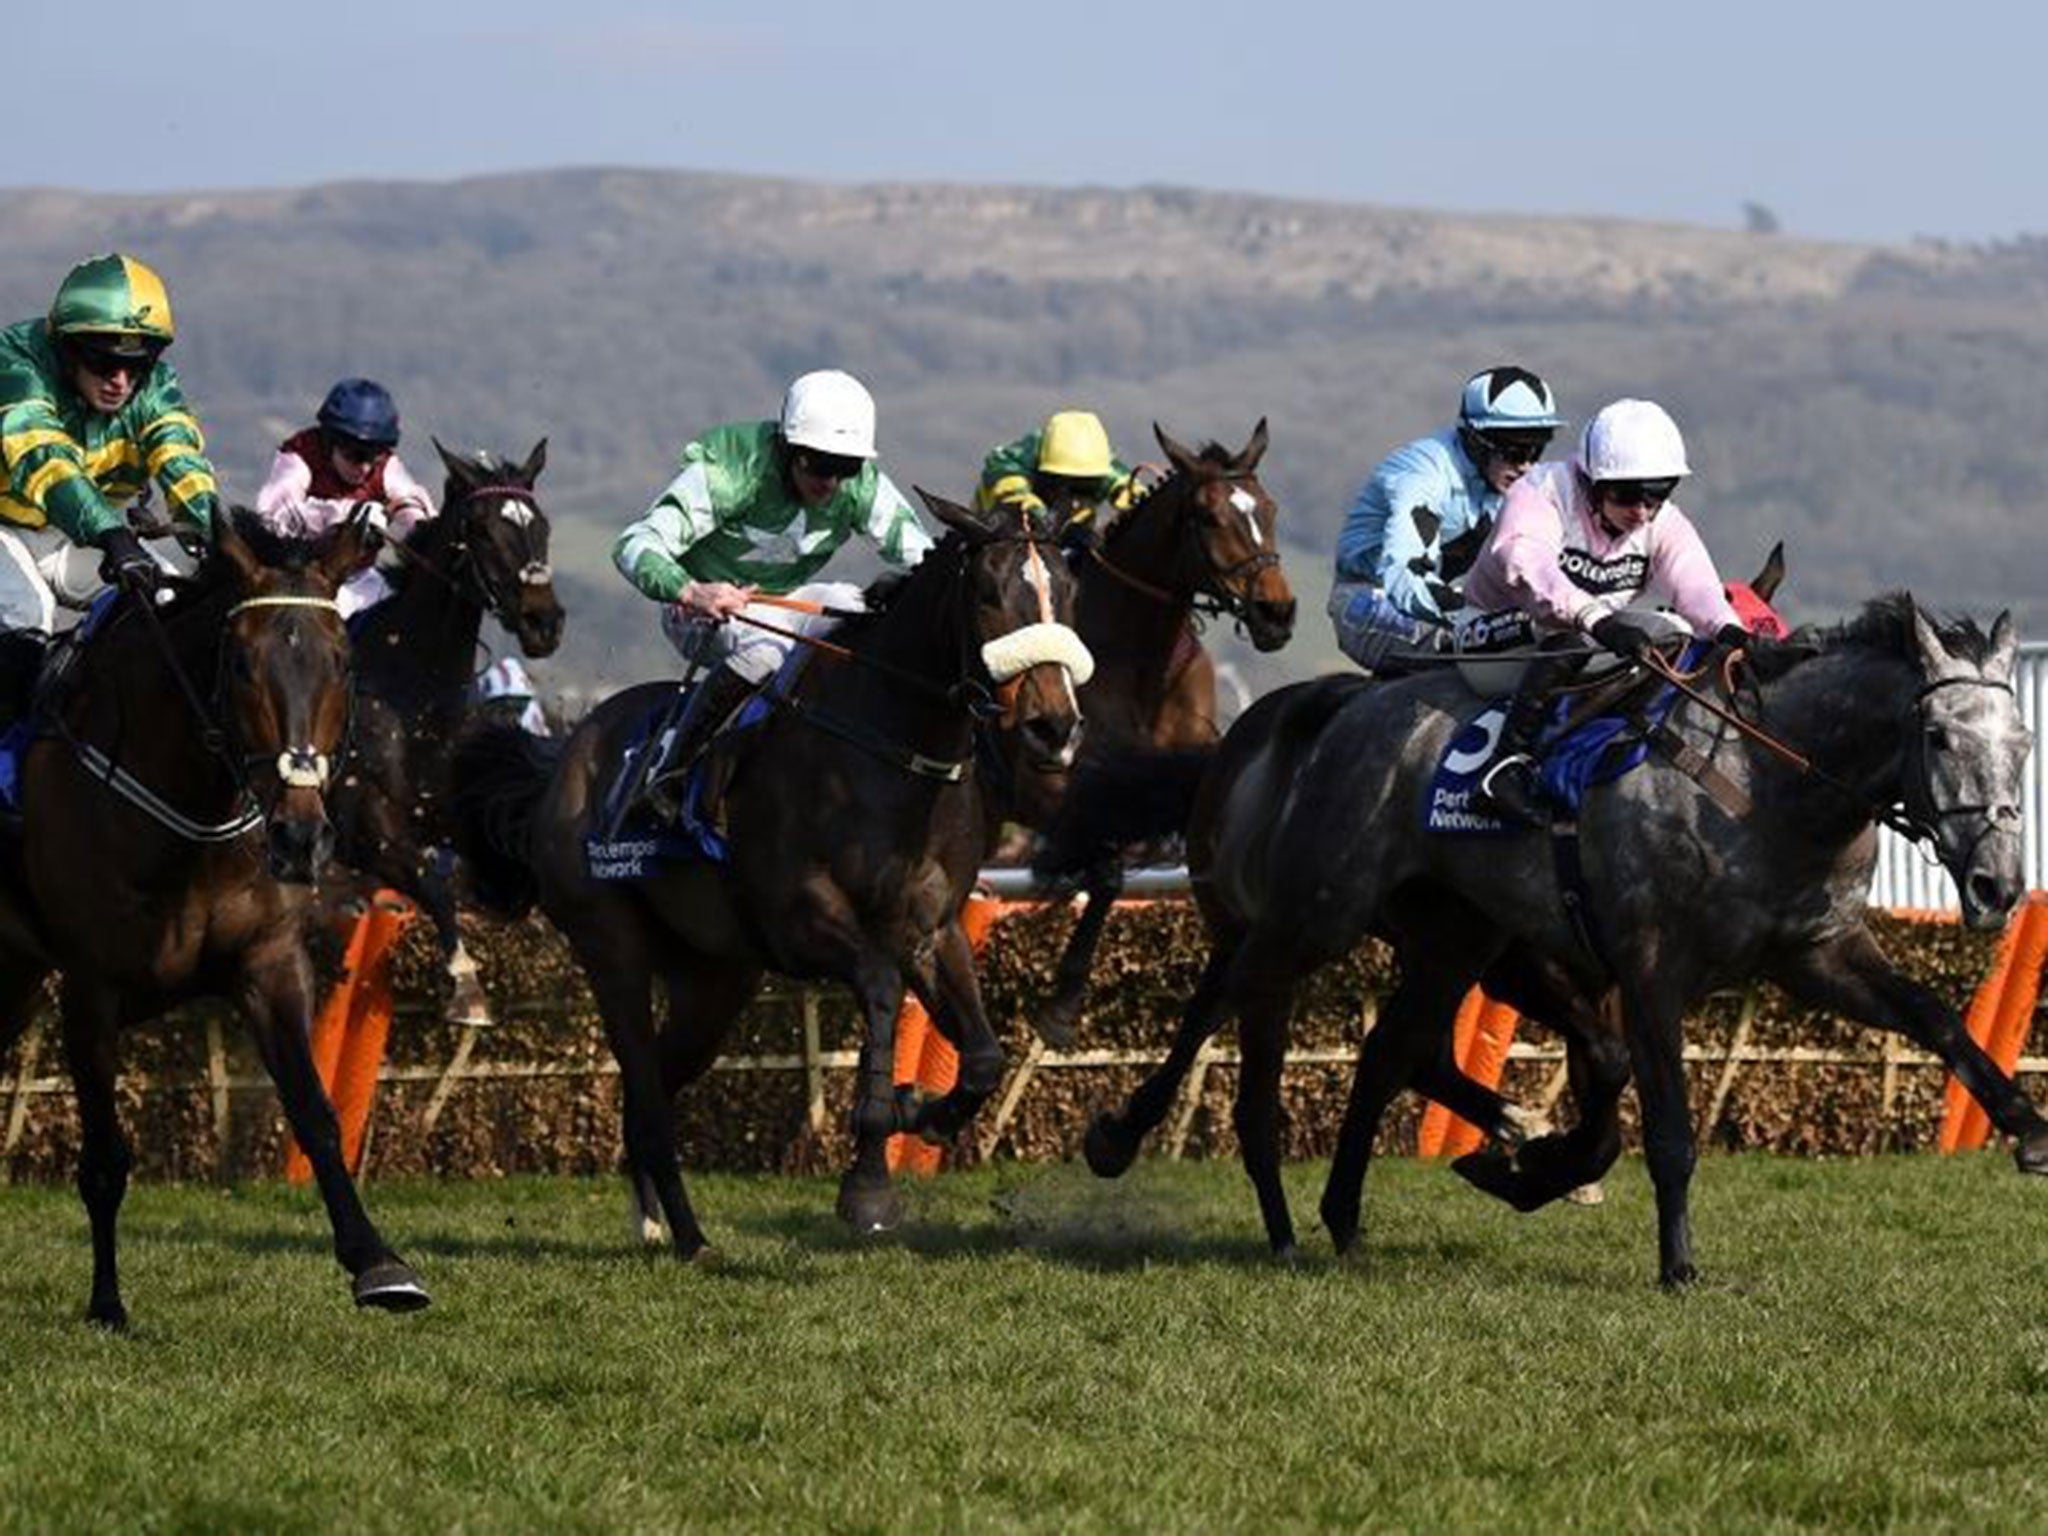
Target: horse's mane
[
  {"x": 1883, "y": 625},
  {"x": 881, "y": 594},
  {"x": 1212, "y": 453}
]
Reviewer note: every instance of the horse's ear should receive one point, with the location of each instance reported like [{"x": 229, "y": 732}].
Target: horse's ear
[
  {"x": 1178, "y": 456},
  {"x": 457, "y": 466},
  {"x": 2005, "y": 649},
  {"x": 970, "y": 524},
  {"x": 536, "y": 461},
  {"x": 1255, "y": 450},
  {"x": 229, "y": 545},
  {"x": 1768, "y": 579},
  {"x": 1935, "y": 660},
  {"x": 351, "y": 548}
]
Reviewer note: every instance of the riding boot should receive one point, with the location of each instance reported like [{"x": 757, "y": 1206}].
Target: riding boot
[
  {"x": 1508, "y": 785},
  {"x": 21, "y": 663},
  {"x": 711, "y": 703}
]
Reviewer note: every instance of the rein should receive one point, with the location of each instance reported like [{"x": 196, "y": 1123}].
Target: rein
[
  {"x": 1902, "y": 819},
  {"x": 297, "y": 767}
]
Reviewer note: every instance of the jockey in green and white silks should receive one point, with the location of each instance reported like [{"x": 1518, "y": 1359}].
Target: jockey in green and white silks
[
  {"x": 762, "y": 506},
  {"x": 89, "y": 414}
]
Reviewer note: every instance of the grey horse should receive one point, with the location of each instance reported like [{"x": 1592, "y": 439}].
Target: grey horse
[{"x": 1307, "y": 835}]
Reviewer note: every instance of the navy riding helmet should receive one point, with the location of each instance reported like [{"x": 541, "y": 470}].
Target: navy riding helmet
[{"x": 361, "y": 409}]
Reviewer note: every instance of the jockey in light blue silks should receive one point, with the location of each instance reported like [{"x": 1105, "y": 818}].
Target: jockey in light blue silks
[{"x": 1424, "y": 513}]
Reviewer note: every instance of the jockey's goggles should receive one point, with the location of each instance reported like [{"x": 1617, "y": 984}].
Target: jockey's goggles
[
  {"x": 106, "y": 357},
  {"x": 1514, "y": 447},
  {"x": 355, "y": 449},
  {"x": 826, "y": 466},
  {"x": 1637, "y": 493}
]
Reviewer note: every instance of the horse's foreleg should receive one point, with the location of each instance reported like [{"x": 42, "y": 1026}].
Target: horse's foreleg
[
  {"x": 1265, "y": 990},
  {"x": 1055, "y": 1019},
  {"x": 90, "y": 1018},
  {"x": 393, "y": 856},
  {"x": 1656, "y": 1045},
  {"x": 1113, "y": 1138},
  {"x": 1851, "y": 976},
  {"x": 1414, "y": 1024},
  {"x": 276, "y": 997},
  {"x": 867, "y": 1201},
  {"x": 951, "y": 993}
]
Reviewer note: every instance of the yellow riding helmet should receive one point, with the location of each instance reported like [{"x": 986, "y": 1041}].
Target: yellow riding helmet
[
  {"x": 114, "y": 296},
  {"x": 1074, "y": 443}
]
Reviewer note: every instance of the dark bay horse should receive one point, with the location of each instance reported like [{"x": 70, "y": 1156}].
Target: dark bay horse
[
  {"x": 1308, "y": 834},
  {"x": 175, "y": 821},
  {"x": 855, "y": 835},
  {"x": 1203, "y": 541},
  {"x": 416, "y": 657}
]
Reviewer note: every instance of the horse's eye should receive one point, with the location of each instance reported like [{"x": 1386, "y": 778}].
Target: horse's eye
[{"x": 1937, "y": 738}]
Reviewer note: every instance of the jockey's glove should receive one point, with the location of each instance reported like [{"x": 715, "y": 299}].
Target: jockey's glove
[
  {"x": 124, "y": 563},
  {"x": 1624, "y": 636},
  {"x": 1735, "y": 637}
]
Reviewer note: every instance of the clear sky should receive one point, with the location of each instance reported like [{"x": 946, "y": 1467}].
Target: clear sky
[{"x": 1875, "y": 121}]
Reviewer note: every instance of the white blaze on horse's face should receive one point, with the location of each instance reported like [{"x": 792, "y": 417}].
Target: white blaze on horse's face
[{"x": 1247, "y": 506}]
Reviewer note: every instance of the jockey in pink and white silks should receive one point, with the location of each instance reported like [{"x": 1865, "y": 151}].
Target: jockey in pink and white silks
[
  {"x": 1577, "y": 545},
  {"x": 348, "y": 458}
]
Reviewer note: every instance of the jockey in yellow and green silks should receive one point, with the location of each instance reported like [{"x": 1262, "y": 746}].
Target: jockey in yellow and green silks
[
  {"x": 90, "y": 413},
  {"x": 1067, "y": 465}
]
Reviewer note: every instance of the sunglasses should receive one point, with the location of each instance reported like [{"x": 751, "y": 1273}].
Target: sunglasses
[
  {"x": 1638, "y": 493},
  {"x": 1523, "y": 448},
  {"x": 111, "y": 362},
  {"x": 827, "y": 466},
  {"x": 356, "y": 451}
]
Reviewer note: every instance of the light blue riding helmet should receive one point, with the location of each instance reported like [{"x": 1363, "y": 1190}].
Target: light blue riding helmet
[{"x": 1508, "y": 399}]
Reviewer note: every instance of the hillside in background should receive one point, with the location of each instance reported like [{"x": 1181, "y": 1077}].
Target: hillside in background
[{"x": 1884, "y": 410}]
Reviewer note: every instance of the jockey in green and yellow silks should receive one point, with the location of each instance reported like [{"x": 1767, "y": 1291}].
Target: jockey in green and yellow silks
[
  {"x": 1066, "y": 467},
  {"x": 89, "y": 414}
]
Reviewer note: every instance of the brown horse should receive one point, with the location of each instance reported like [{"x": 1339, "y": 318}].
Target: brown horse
[
  {"x": 1203, "y": 542},
  {"x": 176, "y": 819},
  {"x": 854, "y": 835},
  {"x": 416, "y": 658}
]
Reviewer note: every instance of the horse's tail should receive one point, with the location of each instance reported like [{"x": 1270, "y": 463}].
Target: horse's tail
[
  {"x": 1119, "y": 800},
  {"x": 499, "y": 772}
]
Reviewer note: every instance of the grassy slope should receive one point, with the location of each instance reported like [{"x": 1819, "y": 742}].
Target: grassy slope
[{"x": 1042, "y": 1350}]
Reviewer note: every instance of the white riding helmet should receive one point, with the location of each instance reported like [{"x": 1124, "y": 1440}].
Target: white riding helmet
[
  {"x": 504, "y": 678},
  {"x": 1632, "y": 440},
  {"x": 831, "y": 412}
]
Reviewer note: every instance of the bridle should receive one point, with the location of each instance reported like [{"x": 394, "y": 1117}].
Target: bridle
[
  {"x": 1214, "y": 591},
  {"x": 300, "y": 766},
  {"x": 1916, "y": 823},
  {"x": 987, "y": 703}
]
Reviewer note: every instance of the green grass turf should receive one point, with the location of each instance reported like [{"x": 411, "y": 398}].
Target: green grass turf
[{"x": 1868, "y": 1350}]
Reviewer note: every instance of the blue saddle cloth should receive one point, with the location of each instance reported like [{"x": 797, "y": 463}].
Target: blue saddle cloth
[
  {"x": 643, "y": 844},
  {"x": 1596, "y": 751},
  {"x": 15, "y": 739}
]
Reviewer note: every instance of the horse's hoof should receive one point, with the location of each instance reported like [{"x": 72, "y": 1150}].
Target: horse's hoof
[
  {"x": 1493, "y": 1171},
  {"x": 1594, "y": 1193},
  {"x": 1109, "y": 1148},
  {"x": 705, "y": 1258},
  {"x": 2031, "y": 1155},
  {"x": 391, "y": 1286},
  {"x": 1679, "y": 1278},
  {"x": 1055, "y": 1023},
  {"x": 111, "y": 1316},
  {"x": 870, "y": 1209},
  {"x": 1342, "y": 1227},
  {"x": 1287, "y": 1255}
]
